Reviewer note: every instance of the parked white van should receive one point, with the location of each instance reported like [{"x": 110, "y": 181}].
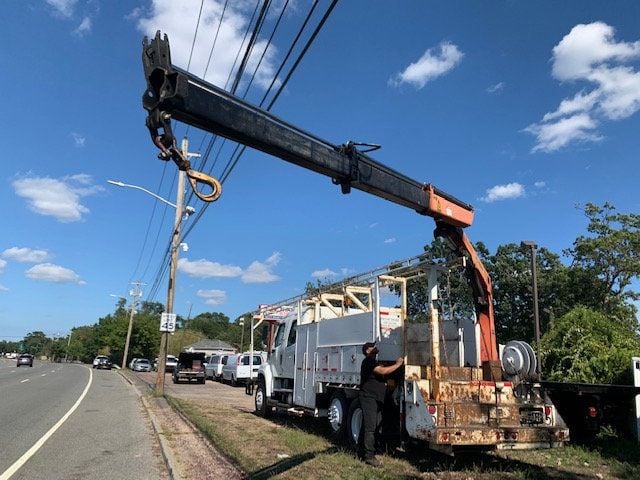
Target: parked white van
[
  {"x": 214, "y": 366},
  {"x": 237, "y": 368}
]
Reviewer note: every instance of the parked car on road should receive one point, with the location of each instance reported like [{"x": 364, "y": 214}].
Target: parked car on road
[
  {"x": 237, "y": 368},
  {"x": 102, "y": 362},
  {"x": 141, "y": 365},
  {"x": 170, "y": 364},
  {"x": 25, "y": 359},
  {"x": 213, "y": 370},
  {"x": 190, "y": 367},
  {"x": 132, "y": 363}
]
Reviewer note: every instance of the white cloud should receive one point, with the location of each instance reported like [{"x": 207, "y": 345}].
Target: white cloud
[
  {"x": 135, "y": 14},
  {"x": 206, "y": 269},
  {"x": 3, "y": 263},
  {"x": 540, "y": 184},
  {"x": 3, "y": 288},
  {"x": 59, "y": 198},
  {"x": 26, "y": 255},
  {"x": 373, "y": 225},
  {"x": 178, "y": 21},
  {"x": 63, "y": 7},
  {"x": 586, "y": 46},
  {"x": 390, "y": 240},
  {"x": 261, "y": 272},
  {"x": 78, "y": 139},
  {"x": 495, "y": 88},
  {"x": 346, "y": 271},
  {"x": 589, "y": 54},
  {"x": 429, "y": 67},
  {"x": 504, "y": 192},
  {"x": 555, "y": 135},
  {"x": 83, "y": 29},
  {"x": 325, "y": 273},
  {"x": 49, "y": 272},
  {"x": 213, "y": 297}
]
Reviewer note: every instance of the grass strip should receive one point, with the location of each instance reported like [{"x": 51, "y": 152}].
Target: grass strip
[{"x": 293, "y": 448}]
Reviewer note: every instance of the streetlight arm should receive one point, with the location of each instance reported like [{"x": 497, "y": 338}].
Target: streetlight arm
[{"x": 121, "y": 184}]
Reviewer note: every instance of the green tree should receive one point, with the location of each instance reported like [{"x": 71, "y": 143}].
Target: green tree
[
  {"x": 35, "y": 343},
  {"x": 586, "y": 346},
  {"x": 510, "y": 270},
  {"x": 608, "y": 261},
  {"x": 211, "y": 324}
]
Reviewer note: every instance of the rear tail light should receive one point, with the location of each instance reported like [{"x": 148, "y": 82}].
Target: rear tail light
[
  {"x": 432, "y": 409},
  {"x": 547, "y": 411},
  {"x": 239, "y": 359},
  {"x": 593, "y": 412}
]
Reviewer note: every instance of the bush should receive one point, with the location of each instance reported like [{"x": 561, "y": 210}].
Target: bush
[{"x": 588, "y": 346}]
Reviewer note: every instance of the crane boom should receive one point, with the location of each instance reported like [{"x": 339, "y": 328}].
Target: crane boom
[{"x": 173, "y": 93}]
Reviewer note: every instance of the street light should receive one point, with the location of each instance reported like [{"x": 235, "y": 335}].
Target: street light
[
  {"x": 135, "y": 293},
  {"x": 188, "y": 210},
  {"x": 241, "y": 323},
  {"x": 532, "y": 246}
]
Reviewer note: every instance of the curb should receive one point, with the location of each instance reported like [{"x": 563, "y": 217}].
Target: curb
[{"x": 167, "y": 456}]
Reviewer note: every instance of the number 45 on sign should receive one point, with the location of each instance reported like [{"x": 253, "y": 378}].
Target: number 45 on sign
[{"x": 168, "y": 322}]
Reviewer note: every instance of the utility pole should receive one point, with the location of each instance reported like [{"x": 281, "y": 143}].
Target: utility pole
[
  {"x": 66, "y": 354},
  {"x": 531, "y": 245},
  {"x": 175, "y": 244},
  {"x": 135, "y": 294},
  {"x": 241, "y": 323}
]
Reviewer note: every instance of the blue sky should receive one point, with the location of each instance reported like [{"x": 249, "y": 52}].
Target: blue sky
[{"x": 524, "y": 109}]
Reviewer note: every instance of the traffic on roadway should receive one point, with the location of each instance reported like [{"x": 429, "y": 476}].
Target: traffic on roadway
[{"x": 67, "y": 420}]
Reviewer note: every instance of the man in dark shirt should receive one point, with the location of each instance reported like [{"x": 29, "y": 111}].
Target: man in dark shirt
[{"x": 372, "y": 391}]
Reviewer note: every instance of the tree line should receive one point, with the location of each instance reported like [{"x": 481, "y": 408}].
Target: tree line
[{"x": 107, "y": 336}]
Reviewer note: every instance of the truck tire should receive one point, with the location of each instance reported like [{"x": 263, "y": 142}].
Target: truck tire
[
  {"x": 233, "y": 381},
  {"x": 354, "y": 424},
  {"x": 337, "y": 415},
  {"x": 262, "y": 409}
]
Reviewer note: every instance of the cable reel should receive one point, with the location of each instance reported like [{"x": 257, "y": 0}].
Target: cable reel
[{"x": 519, "y": 361}]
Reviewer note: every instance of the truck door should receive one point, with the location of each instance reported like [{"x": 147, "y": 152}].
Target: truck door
[
  {"x": 277, "y": 351},
  {"x": 289, "y": 352}
]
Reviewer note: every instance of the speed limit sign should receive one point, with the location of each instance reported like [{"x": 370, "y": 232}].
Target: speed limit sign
[{"x": 168, "y": 322}]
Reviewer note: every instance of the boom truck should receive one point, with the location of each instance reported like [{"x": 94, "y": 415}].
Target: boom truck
[{"x": 469, "y": 400}]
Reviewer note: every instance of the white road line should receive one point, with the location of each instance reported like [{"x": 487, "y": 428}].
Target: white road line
[
  {"x": 43, "y": 375},
  {"x": 52, "y": 371},
  {"x": 25, "y": 380},
  {"x": 9, "y": 472},
  {"x": 13, "y": 371}
]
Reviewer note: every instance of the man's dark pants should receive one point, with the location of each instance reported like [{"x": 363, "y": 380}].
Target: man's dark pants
[{"x": 370, "y": 424}]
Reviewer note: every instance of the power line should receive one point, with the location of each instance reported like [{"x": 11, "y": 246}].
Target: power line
[{"x": 239, "y": 150}]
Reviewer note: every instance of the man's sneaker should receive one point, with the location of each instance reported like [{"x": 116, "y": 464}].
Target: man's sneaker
[{"x": 373, "y": 461}]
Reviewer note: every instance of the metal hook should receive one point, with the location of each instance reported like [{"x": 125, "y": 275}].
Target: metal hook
[{"x": 196, "y": 177}]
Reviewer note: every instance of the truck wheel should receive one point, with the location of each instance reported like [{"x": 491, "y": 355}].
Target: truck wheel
[
  {"x": 261, "y": 400},
  {"x": 354, "y": 423},
  {"x": 337, "y": 414},
  {"x": 233, "y": 381}
]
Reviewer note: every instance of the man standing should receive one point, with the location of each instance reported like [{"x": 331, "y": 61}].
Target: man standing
[{"x": 372, "y": 392}]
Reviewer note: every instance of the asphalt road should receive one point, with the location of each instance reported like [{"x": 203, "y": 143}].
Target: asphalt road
[{"x": 108, "y": 436}]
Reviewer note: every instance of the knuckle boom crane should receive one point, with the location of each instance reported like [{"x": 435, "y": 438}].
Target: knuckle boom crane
[{"x": 173, "y": 93}]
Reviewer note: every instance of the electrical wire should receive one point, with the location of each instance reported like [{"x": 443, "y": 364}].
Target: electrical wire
[{"x": 239, "y": 150}]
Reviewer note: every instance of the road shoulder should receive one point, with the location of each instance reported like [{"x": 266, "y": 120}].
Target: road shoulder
[{"x": 187, "y": 454}]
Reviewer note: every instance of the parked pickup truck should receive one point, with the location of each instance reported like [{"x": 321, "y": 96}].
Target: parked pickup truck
[{"x": 190, "y": 367}]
